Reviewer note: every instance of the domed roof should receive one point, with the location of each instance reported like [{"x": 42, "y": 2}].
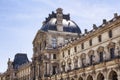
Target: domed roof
[{"x": 67, "y": 24}]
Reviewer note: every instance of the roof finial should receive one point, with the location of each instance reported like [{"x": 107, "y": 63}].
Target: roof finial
[
  {"x": 115, "y": 15},
  {"x": 104, "y": 21},
  {"x": 59, "y": 10}
]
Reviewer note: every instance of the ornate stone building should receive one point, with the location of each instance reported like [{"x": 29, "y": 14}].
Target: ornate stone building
[
  {"x": 19, "y": 69},
  {"x": 62, "y": 52},
  {"x": 57, "y": 29}
]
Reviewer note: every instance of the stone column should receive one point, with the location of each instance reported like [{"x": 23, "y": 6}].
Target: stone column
[
  {"x": 105, "y": 75},
  {"x": 118, "y": 77}
]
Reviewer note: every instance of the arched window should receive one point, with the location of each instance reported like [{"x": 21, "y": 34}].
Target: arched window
[
  {"x": 113, "y": 76},
  {"x": 72, "y": 79},
  {"x": 100, "y": 76},
  {"x": 89, "y": 77},
  {"x": 80, "y": 78}
]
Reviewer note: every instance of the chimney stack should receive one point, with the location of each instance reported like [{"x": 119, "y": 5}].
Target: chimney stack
[
  {"x": 115, "y": 15},
  {"x": 104, "y": 21},
  {"x": 59, "y": 16},
  {"x": 86, "y": 31},
  {"x": 94, "y": 26}
]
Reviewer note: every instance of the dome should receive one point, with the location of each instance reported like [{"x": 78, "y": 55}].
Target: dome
[{"x": 67, "y": 24}]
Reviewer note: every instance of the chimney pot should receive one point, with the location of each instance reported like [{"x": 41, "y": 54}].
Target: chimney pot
[
  {"x": 94, "y": 26},
  {"x": 104, "y": 21},
  {"x": 115, "y": 15}
]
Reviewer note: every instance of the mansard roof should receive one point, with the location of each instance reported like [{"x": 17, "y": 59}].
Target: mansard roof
[{"x": 19, "y": 60}]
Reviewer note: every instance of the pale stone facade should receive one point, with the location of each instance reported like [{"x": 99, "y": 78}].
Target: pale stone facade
[
  {"x": 24, "y": 72},
  {"x": 62, "y": 52},
  {"x": 93, "y": 55},
  {"x": 19, "y": 69}
]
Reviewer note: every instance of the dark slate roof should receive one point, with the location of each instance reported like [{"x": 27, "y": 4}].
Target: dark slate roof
[
  {"x": 68, "y": 25},
  {"x": 20, "y": 59}
]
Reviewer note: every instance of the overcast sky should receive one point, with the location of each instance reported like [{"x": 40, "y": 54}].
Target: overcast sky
[{"x": 21, "y": 19}]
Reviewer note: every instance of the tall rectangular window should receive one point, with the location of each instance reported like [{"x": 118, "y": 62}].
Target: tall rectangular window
[
  {"x": 75, "y": 49},
  {"x": 68, "y": 52},
  {"x": 63, "y": 54},
  {"x": 54, "y": 42},
  {"x": 101, "y": 56},
  {"x": 91, "y": 59},
  {"x": 54, "y": 70},
  {"x": 54, "y": 56},
  {"x": 82, "y": 46},
  {"x": 99, "y": 38},
  {"x": 110, "y": 34},
  {"x": 112, "y": 52},
  {"x": 90, "y": 42}
]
